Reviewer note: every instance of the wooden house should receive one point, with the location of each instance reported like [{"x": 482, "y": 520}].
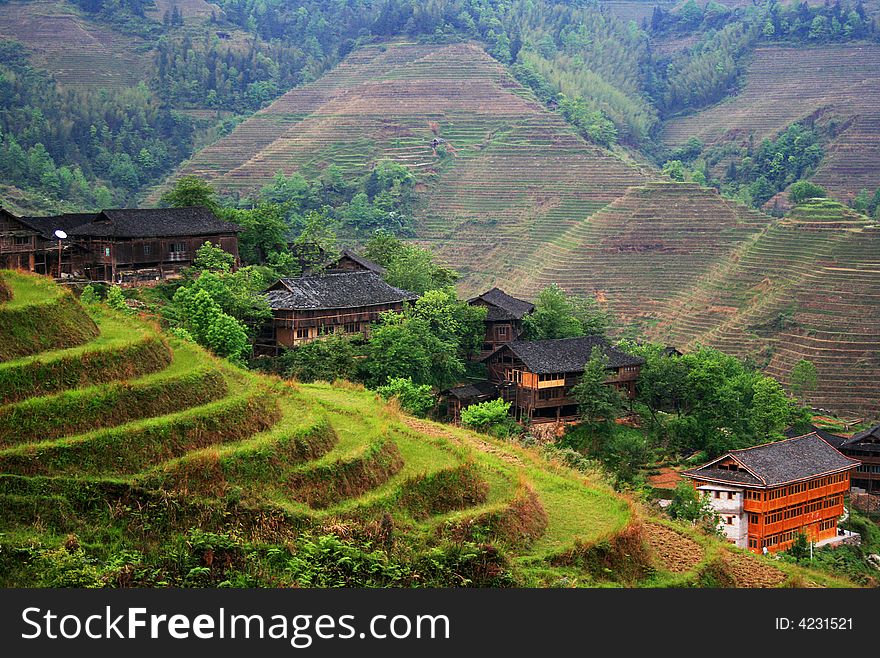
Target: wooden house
[
  {"x": 133, "y": 245},
  {"x": 504, "y": 318},
  {"x": 864, "y": 447},
  {"x": 767, "y": 495},
  {"x": 22, "y": 247},
  {"x": 305, "y": 308},
  {"x": 537, "y": 375}
]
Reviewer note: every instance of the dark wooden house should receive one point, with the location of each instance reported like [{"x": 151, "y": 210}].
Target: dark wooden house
[
  {"x": 864, "y": 447},
  {"x": 305, "y": 308},
  {"x": 463, "y": 396},
  {"x": 22, "y": 247},
  {"x": 537, "y": 375},
  {"x": 504, "y": 318},
  {"x": 130, "y": 246},
  {"x": 767, "y": 495},
  {"x": 349, "y": 261}
]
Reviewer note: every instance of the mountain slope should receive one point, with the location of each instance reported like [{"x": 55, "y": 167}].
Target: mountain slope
[
  {"x": 807, "y": 287},
  {"x": 829, "y": 84}
]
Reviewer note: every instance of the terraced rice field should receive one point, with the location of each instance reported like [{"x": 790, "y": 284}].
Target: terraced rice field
[
  {"x": 516, "y": 175},
  {"x": 806, "y": 287},
  {"x": 646, "y": 247},
  {"x": 130, "y": 410},
  {"x": 836, "y": 83},
  {"x": 79, "y": 54}
]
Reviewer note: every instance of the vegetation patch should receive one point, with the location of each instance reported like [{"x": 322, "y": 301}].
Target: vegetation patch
[
  {"x": 130, "y": 448},
  {"x": 326, "y": 484},
  {"x": 5, "y": 291},
  {"x": 518, "y": 524},
  {"x": 624, "y": 557},
  {"x": 39, "y": 317},
  {"x": 444, "y": 491}
]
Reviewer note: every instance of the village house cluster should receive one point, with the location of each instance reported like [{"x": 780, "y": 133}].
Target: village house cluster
[{"x": 764, "y": 496}]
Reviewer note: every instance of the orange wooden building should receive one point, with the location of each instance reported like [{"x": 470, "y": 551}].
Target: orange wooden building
[{"x": 766, "y": 495}]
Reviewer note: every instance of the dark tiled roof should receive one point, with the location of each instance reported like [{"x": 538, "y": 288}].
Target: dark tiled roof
[
  {"x": 872, "y": 433},
  {"x": 154, "y": 222},
  {"x": 366, "y": 263},
  {"x": 340, "y": 290},
  {"x": 472, "y": 391},
  {"x": 773, "y": 464},
  {"x": 67, "y": 222},
  {"x": 867, "y": 440},
  {"x": 733, "y": 477},
  {"x": 833, "y": 439},
  {"x": 504, "y": 307},
  {"x": 567, "y": 354}
]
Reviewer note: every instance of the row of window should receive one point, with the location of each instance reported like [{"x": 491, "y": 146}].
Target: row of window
[
  {"x": 326, "y": 329},
  {"x": 551, "y": 377},
  {"x": 793, "y": 489},
  {"x": 720, "y": 494},
  {"x": 551, "y": 393},
  {"x": 868, "y": 468},
  {"x": 805, "y": 508}
]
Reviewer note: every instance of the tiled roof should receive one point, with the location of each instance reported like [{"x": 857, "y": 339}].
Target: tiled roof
[
  {"x": 340, "y": 290},
  {"x": 503, "y": 306},
  {"x": 472, "y": 391},
  {"x": 773, "y": 464},
  {"x": 833, "y": 439},
  {"x": 154, "y": 222},
  {"x": 567, "y": 354}
]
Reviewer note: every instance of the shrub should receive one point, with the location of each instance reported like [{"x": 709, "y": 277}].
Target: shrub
[
  {"x": 803, "y": 190},
  {"x": 327, "y": 359},
  {"x": 482, "y": 415},
  {"x": 417, "y": 399}
]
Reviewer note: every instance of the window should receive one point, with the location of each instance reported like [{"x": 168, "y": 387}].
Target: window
[
  {"x": 148, "y": 250},
  {"x": 302, "y": 333},
  {"x": 106, "y": 251},
  {"x": 753, "y": 519},
  {"x": 21, "y": 240},
  {"x": 178, "y": 248},
  {"x": 729, "y": 520},
  {"x": 716, "y": 494},
  {"x": 730, "y": 495},
  {"x": 352, "y": 327},
  {"x": 502, "y": 331}
]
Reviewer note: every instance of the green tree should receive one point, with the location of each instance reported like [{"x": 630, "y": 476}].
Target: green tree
[
  {"x": 803, "y": 190},
  {"x": 189, "y": 191},
  {"x": 404, "y": 346},
  {"x": 326, "y": 359},
  {"x": 115, "y": 299},
  {"x": 213, "y": 259},
  {"x": 804, "y": 379},
  {"x": 598, "y": 403},
  {"x": 211, "y": 328},
  {"x": 452, "y": 321},
  {"x": 689, "y": 505},
  {"x": 558, "y": 315},
  {"x": 770, "y": 409},
  {"x": 407, "y": 266}
]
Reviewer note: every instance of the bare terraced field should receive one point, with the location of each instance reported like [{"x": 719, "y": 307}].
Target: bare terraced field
[
  {"x": 839, "y": 82},
  {"x": 78, "y": 53},
  {"x": 807, "y": 287}
]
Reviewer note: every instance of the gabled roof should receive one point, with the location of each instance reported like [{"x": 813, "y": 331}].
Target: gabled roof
[
  {"x": 833, "y": 439},
  {"x": 503, "y": 306},
  {"x": 566, "y": 354},
  {"x": 340, "y": 290},
  {"x": 483, "y": 389},
  {"x": 365, "y": 263},
  {"x": 774, "y": 464},
  {"x": 154, "y": 222},
  {"x": 868, "y": 439},
  {"x": 67, "y": 222}
]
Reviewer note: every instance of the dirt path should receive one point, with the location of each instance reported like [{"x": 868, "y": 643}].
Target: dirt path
[{"x": 473, "y": 441}]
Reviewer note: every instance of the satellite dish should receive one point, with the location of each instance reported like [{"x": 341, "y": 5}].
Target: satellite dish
[{"x": 61, "y": 235}]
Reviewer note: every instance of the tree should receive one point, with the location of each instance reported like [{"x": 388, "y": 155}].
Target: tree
[
  {"x": 675, "y": 170},
  {"x": 115, "y": 299},
  {"x": 558, "y": 315},
  {"x": 804, "y": 379},
  {"x": 626, "y": 454},
  {"x": 203, "y": 318},
  {"x": 452, "y": 321},
  {"x": 189, "y": 191},
  {"x": 407, "y": 266},
  {"x": 688, "y": 505},
  {"x": 770, "y": 409},
  {"x": 213, "y": 259},
  {"x": 417, "y": 399},
  {"x": 803, "y": 190},
  {"x": 598, "y": 403},
  {"x": 404, "y": 346},
  {"x": 800, "y": 547},
  {"x": 326, "y": 359}
]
